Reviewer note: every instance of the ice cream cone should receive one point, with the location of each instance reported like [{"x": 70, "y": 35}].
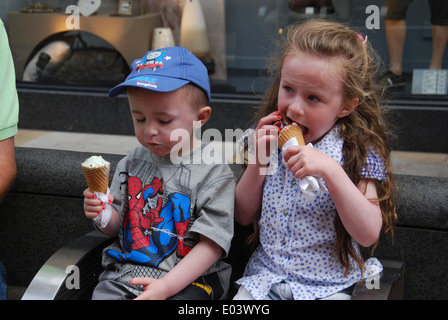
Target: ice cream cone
[
  {"x": 97, "y": 175},
  {"x": 289, "y": 132}
]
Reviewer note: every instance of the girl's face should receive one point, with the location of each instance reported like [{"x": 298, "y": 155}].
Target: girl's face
[
  {"x": 157, "y": 114},
  {"x": 311, "y": 94}
]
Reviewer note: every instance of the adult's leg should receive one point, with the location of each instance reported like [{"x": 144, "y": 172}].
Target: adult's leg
[
  {"x": 396, "y": 36},
  {"x": 439, "y": 21},
  {"x": 396, "y": 32}
]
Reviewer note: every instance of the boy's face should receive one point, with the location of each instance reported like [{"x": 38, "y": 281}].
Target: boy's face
[{"x": 157, "y": 114}]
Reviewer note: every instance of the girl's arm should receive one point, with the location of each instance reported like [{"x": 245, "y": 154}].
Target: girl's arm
[
  {"x": 192, "y": 266},
  {"x": 248, "y": 195},
  {"x": 249, "y": 190},
  {"x": 361, "y": 218}
]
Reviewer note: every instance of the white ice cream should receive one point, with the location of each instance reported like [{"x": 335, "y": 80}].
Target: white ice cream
[{"x": 95, "y": 162}]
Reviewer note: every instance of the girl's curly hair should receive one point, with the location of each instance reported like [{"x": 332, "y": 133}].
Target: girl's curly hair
[{"x": 364, "y": 129}]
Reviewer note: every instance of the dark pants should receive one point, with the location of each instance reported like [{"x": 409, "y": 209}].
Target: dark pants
[{"x": 204, "y": 288}]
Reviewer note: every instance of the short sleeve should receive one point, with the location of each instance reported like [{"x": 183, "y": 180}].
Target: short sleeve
[
  {"x": 374, "y": 167},
  {"x": 214, "y": 209},
  {"x": 9, "y": 105}
]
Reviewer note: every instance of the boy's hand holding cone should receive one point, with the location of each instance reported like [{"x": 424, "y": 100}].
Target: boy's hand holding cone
[{"x": 96, "y": 170}]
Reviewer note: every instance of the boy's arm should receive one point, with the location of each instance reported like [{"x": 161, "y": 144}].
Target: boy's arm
[
  {"x": 111, "y": 229},
  {"x": 93, "y": 206},
  {"x": 192, "y": 266}
]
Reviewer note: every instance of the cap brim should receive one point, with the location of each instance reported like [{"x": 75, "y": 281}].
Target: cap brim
[{"x": 159, "y": 83}]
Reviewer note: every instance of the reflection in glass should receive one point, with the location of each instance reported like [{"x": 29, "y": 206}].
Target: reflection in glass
[{"x": 74, "y": 58}]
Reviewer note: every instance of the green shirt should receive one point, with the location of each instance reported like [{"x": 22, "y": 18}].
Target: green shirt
[{"x": 9, "y": 103}]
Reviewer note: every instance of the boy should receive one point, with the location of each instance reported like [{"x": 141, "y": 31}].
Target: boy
[{"x": 174, "y": 222}]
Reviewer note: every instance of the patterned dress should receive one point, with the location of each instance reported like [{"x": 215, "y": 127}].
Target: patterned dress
[{"x": 297, "y": 233}]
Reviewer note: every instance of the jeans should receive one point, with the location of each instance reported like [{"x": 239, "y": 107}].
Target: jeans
[
  {"x": 3, "y": 285},
  {"x": 282, "y": 291}
]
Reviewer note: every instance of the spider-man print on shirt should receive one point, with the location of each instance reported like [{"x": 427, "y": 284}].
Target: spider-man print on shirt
[{"x": 151, "y": 235}]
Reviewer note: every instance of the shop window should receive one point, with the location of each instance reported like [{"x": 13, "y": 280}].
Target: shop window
[{"x": 241, "y": 36}]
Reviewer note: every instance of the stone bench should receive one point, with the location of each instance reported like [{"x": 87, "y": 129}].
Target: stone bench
[{"x": 44, "y": 212}]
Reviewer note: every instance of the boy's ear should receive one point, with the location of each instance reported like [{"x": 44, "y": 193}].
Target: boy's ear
[
  {"x": 348, "y": 107},
  {"x": 204, "y": 114}
]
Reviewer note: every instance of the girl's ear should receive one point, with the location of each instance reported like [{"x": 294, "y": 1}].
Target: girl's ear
[
  {"x": 204, "y": 114},
  {"x": 348, "y": 107}
]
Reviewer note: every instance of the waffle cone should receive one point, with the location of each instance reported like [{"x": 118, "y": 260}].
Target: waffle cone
[
  {"x": 97, "y": 178},
  {"x": 289, "y": 132}
]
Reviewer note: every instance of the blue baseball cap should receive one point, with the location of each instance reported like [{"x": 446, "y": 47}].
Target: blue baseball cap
[{"x": 166, "y": 70}]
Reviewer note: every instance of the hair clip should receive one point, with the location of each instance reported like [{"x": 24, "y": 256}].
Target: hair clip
[{"x": 364, "y": 41}]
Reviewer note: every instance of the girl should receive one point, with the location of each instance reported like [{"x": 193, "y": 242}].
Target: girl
[{"x": 308, "y": 246}]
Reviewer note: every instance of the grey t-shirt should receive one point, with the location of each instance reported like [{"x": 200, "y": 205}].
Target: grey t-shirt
[{"x": 163, "y": 208}]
